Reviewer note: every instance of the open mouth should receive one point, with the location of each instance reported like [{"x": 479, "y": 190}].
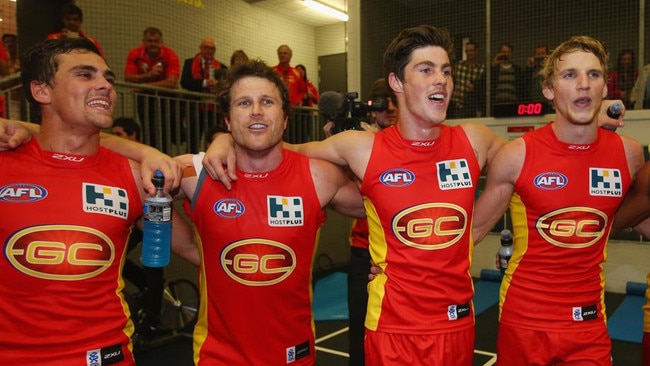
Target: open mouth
[{"x": 437, "y": 97}]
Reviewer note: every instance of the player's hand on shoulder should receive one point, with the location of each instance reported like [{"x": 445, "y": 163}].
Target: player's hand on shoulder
[{"x": 13, "y": 134}]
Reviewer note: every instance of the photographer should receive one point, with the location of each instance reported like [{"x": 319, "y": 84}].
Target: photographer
[
  {"x": 532, "y": 76},
  {"x": 507, "y": 83},
  {"x": 343, "y": 112}
]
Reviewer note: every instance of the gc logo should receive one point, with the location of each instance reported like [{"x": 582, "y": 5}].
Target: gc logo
[
  {"x": 572, "y": 227},
  {"x": 258, "y": 262},
  {"x": 60, "y": 252}
]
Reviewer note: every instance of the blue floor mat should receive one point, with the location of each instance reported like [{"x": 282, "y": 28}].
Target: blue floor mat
[
  {"x": 486, "y": 291},
  {"x": 331, "y": 302},
  {"x": 626, "y": 324},
  {"x": 331, "y": 297}
]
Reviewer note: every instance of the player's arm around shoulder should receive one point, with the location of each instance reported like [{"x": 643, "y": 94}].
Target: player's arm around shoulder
[
  {"x": 348, "y": 148},
  {"x": 334, "y": 187},
  {"x": 485, "y": 142},
  {"x": 493, "y": 202},
  {"x": 636, "y": 205}
]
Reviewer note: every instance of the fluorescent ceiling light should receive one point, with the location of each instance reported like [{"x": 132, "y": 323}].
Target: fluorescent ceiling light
[{"x": 325, "y": 9}]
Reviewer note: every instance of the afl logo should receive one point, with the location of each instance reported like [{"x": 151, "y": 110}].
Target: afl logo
[
  {"x": 22, "y": 192},
  {"x": 258, "y": 262},
  {"x": 397, "y": 178},
  {"x": 229, "y": 208},
  {"x": 430, "y": 226},
  {"x": 551, "y": 181},
  {"x": 60, "y": 252},
  {"x": 572, "y": 227}
]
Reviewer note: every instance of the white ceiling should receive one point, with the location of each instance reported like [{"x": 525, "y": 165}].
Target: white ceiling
[{"x": 295, "y": 9}]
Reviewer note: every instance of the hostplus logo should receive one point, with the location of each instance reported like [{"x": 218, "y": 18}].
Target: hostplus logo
[
  {"x": 605, "y": 182},
  {"x": 454, "y": 174},
  {"x": 285, "y": 211},
  {"x": 105, "y": 200}
]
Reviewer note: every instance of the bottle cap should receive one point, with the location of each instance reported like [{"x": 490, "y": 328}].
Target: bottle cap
[
  {"x": 506, "y": 237},
  {"x": 158, "y": 179}
]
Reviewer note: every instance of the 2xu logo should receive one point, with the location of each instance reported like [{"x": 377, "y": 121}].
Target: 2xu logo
[
  {"x": 258, "y": 262},
  {"x": 60, "y": 252},
  {"x": 430, "y": 226},
  {"x": 572, "y": 227}
]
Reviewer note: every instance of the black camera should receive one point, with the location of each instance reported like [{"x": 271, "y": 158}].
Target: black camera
[{"x": 355, "y": 111}]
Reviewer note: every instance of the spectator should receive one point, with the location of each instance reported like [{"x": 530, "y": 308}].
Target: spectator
[
  {"x": 622, "y": 80},
  {"x": 507, "y": 86},
  {"x": 311, "y": 98},
  {"x": 127, "y": 128},
  {"x": 532, "y": 75},
  {"x": 568, "y": 179},
  {"x": 83, "y": 202},
  {"x": 154, "y": 64},
  {"x": 290, "y": 76},
  {"x": 10, "y": 42},
  {"x": 204, "y": 74},
  {"x": 303, "y": 117},
  {"x": 238, "y": 57},
  {"x": 468, "y": 100},
  {"x": 72, "y": 17}
]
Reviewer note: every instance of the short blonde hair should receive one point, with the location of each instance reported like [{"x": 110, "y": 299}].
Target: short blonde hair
[{"x": 578, "y": 43}]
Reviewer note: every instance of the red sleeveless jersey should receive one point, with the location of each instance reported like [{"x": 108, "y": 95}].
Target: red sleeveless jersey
[
  {"x": 419, "y": 198},
  {"x": 258, "y": 243},
  {"x": 562, "y": 211},
  {"x": 64, "y": 228}
]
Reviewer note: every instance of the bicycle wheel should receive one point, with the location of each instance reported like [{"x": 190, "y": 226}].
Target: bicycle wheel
[{"x": 180, "y": 306}]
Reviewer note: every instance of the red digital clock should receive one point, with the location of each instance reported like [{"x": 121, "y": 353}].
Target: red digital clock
[{"x": 521, "y": 109}]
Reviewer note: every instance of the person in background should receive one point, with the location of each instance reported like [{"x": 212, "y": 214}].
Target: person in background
[
  {"x": 622, "y": 79},
  {"x": 127, "y": 128},
  {"x": 564, "y": 183},
  {"x": 532, "y": 75},
  {"x": 359, "y": 253},
  {"x": 291, "y": 77},
  {"x": 635, "y": 213},
  {"x": 203, "y": 74},
  {"x": 72, "y": 18},
  {"x": 507, "y": 86},
  {"x": 10, "y": 42},
  {"x": 258, "y": 239},
  {"x": 312, "y": 96},
  {"x": 305, "y": 117},
  {"x": 238, "y": 57},
  {"x": 154, "y": 64},
  {"x": 468, "y": 100},
  {"x": 67, "y": 236}
]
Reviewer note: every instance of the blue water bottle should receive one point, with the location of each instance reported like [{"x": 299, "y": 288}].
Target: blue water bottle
[{"x": 157, "y": 233}]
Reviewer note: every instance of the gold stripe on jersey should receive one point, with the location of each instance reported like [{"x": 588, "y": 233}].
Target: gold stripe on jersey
[{"x": 378, "y": 250}]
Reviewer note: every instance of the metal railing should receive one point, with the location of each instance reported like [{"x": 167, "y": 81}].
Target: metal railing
[{"x": 173, "y": 120}]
